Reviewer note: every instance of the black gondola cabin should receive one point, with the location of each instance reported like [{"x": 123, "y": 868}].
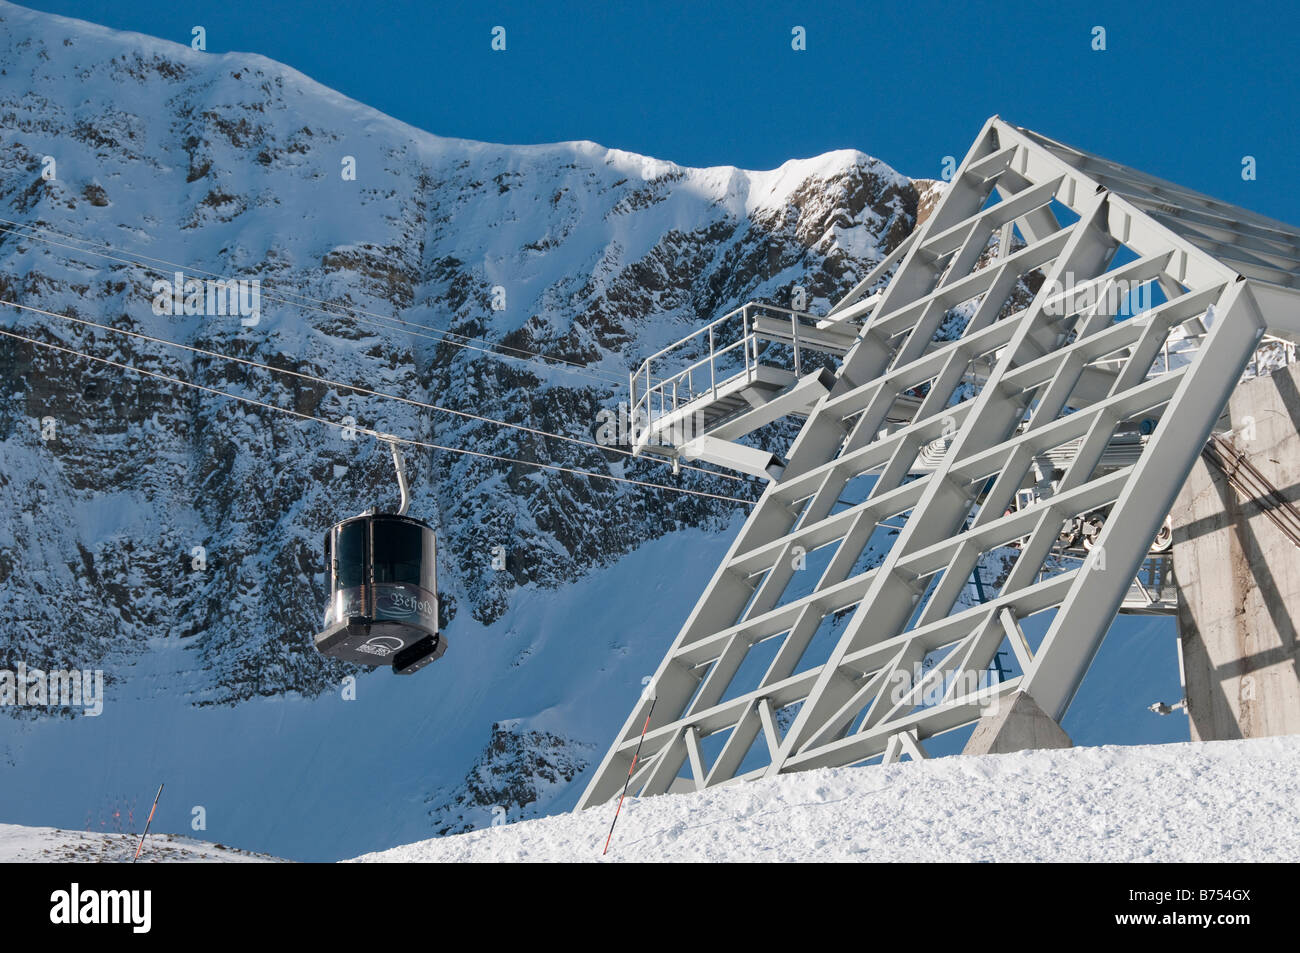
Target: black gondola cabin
[{"x": 383, "y": 604}]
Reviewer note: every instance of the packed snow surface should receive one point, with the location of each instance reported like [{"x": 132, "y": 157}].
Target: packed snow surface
[
  {"x": 19, "y": 844},
  {"x": 1212, "y": 801}
]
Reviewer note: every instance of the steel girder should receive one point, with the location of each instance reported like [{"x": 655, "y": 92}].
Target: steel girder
[{"x": 901, "y": 650}]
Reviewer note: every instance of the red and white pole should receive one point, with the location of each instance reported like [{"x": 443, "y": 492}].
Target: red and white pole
[
  {"x": 140, "y": 847},
  {"x": 629, "y": 776}
]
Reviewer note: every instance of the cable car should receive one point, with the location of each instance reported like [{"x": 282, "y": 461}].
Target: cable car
[{"x": 383, "y": 602}]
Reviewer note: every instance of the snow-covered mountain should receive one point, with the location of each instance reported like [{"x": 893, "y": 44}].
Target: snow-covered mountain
[
  {"x": 125, "y": 159},
  {"x": 239, "y": 166}
]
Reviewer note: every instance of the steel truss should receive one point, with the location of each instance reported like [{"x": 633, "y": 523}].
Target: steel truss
[{"x": 836, "y": 630}]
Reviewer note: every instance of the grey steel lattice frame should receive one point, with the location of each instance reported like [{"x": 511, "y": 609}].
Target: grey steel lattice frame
[{"x": 1060, "y": 372}]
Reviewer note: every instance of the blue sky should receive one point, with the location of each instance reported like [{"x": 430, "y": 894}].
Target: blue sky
[{"x": 1183, "y": 90}]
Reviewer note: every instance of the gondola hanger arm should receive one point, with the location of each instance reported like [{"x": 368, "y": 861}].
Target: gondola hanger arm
[{"x": 400, "y": 465}]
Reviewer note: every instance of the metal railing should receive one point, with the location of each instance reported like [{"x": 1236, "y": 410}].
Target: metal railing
[{"x": 732, "y": 345}]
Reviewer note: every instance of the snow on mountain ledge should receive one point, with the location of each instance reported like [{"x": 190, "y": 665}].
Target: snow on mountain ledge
[{"x": 1214, "y": 801}]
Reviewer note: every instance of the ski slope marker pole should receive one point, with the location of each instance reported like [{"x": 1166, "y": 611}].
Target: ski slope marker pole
[
  {"x": 140, "y": 847},
  {"x": 629, "y": 776}
]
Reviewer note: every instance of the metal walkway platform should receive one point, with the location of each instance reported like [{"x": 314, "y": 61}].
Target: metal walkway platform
[{"x": 698, "y": 397}]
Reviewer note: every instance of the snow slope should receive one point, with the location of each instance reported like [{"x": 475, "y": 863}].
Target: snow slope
[
  {"x": 1214, "y": 801},
  {"x": 52, "y": 845},
  {"x": 324, "y": 778}
]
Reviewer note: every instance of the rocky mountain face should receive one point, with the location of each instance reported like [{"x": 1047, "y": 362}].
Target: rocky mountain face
[
  {"x": 237, "y": 166},
  {"x": 518, "y": 770},
  {"x": 138, "y": 513}
]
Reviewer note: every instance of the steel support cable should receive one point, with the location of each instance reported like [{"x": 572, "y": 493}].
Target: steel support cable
[
  {"x": 1244, "y": 477},
  {"x": 378, "y": 435},
  {"x": 352, "y": 387}
]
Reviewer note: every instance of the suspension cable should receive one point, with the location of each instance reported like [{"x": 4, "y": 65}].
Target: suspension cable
[
  {"x": 353, "y": 387},
  {"x": 378, "y": 435}
]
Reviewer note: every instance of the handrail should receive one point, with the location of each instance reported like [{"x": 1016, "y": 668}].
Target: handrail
[
  {"x": 679, "y": 387},
  {"x": 694, "y": 334}
]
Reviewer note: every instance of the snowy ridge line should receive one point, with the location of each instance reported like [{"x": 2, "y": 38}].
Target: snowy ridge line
[
  {"x": 1218, "y": 801},
  {"x": 745, "y": 190},
  {"x": 318, "y": 305},
  {"x": 378, "y": 435},
  {"x": 352, "y": 387}
]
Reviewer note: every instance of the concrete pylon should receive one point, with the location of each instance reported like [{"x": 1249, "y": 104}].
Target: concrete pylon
[
  {"x": 1239, "y": 573},
  {"x": 1018, "y": 724}
]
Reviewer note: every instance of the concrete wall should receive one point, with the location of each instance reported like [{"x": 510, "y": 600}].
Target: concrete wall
[{"x": 1239, "y": 576}]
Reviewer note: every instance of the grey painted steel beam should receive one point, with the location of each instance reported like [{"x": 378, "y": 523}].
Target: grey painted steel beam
[{"x": 1057, "y": 377}]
